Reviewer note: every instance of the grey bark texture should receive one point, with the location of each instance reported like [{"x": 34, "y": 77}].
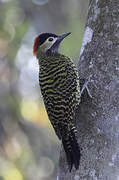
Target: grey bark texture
[{"x": 98, "y": 118}]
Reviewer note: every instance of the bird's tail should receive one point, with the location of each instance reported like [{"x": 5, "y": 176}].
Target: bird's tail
[{"x": 71, "y": 147}]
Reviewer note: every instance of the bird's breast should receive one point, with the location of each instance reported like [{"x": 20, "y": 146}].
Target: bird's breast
[{"x": 51, "y": 80}]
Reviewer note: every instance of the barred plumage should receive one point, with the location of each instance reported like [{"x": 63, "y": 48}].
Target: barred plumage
[{"x": 59, "y": 82}]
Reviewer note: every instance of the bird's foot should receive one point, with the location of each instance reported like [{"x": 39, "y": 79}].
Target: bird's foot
[{"x": 85, "y": 86}]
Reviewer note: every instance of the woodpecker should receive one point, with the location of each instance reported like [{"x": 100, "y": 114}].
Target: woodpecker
[{"x": 59, "y": 83}]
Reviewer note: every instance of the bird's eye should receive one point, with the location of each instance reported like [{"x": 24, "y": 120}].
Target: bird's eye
[{"x": 50, "y": 39}]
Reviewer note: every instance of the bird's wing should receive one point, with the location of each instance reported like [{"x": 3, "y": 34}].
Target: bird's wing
[
  {"x": 61, "y": 95},
  {"x": 60, "y": 90}
]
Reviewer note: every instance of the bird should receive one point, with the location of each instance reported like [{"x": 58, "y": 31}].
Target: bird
[{"x": 60, "y": 89}]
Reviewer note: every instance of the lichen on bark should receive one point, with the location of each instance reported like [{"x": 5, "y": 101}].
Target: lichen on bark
[{"x": 98, "y": 118}]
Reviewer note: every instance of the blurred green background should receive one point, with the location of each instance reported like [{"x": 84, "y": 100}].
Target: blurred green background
[{"x": 29, "y": 148}]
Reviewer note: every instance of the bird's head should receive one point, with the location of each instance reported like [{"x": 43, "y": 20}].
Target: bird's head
[{"x": 48, "y": 43}]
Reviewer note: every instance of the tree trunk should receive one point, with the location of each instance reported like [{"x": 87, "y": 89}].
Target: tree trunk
[{"x": 98, "y": 118}]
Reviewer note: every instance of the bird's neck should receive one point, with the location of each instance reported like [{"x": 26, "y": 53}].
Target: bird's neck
[
  {"x": 41, "y": 54},
  {"x": 49, "y": 59}
]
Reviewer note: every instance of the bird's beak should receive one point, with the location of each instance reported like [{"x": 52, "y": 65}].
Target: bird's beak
[
  {"x": 55, "y": 46},
  {"x": 61, "y": 37}
]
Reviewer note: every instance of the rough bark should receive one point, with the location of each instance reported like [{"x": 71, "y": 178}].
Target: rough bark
[{"x": 98, "y": 118}]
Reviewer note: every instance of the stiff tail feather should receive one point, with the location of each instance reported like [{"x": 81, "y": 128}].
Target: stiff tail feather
[{"x": 71, "y": 147}]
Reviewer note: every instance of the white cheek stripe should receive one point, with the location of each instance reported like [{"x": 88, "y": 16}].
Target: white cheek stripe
[{"x": 47, "y": 44}]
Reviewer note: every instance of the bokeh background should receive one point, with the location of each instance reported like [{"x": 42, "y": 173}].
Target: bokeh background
[{"x": 29, "y": 148}]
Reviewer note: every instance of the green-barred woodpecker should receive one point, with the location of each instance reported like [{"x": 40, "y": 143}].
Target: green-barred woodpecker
[{"x": 59, "y": 83}]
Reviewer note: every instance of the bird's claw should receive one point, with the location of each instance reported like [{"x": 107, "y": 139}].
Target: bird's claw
[{"x": 85, "y": 86}]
